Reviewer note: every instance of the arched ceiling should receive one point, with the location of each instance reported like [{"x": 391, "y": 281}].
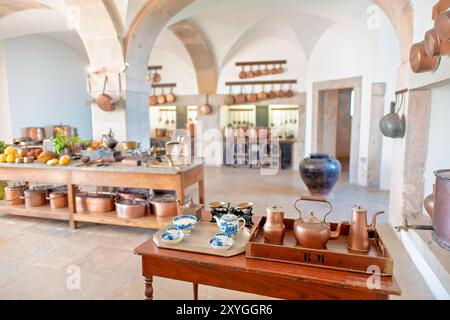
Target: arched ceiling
[{"x": 8, "y": 7}]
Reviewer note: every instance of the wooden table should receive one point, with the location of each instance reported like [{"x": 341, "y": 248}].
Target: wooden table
[
  {"x": 272, "y": 279},
  {"x": 116, "y": 175}
]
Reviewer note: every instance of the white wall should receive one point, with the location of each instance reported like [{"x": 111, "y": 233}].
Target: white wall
[
  {"x": 5, "y": 118},
  {"x": 46, "y": 84},
  {"x": 438, "y": 142}
]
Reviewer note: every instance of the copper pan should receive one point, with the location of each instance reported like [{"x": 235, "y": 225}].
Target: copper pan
[
  {"x": 94, "y": 202},
  {"x": 229, "y": 100},
  {"x": 161, "y": 99},
  {"x": 434, "y": 46},
  {"x": 420, "y": 61},
  {"x": 442, "y": 25},
  {"x": 153, "y": 101},
  {"x": 104, "y": 101},
  {"x": 242, "y": 75}
]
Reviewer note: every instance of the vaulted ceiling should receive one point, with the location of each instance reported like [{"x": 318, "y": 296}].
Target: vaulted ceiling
[{"x": 8, "y": 7}]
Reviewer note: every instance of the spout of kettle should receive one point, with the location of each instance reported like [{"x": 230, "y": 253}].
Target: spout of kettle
[
  {"x": 337, "y": 233},
  {"x": 372, "y": 226}
]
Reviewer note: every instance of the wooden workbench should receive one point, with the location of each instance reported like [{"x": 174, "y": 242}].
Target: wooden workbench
[{"x": 115, "y": 175}]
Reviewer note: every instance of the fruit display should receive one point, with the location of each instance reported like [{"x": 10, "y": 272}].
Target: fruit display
[
  {"x": 64, "y": 160},
  {"x": 45, "y": 156}
]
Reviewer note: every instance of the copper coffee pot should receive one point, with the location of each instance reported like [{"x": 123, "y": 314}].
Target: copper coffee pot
[
  {"x": 358, "y": 238},
  {"x": 274, "y": 228}
]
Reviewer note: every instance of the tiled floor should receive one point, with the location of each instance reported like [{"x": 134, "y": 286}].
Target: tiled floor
[{"x": 39, "y": 259}]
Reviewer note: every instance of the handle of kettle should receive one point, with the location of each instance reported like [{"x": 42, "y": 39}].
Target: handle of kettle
[{"x": 313, "y": 199}]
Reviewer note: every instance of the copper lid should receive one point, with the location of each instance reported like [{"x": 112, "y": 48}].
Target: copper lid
[{"x": 275, "y": 209}]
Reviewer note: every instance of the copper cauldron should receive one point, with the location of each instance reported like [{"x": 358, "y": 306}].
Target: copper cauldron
[{"x": 441, "y": 210}]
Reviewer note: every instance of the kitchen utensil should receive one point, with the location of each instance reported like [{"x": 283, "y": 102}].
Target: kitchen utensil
[
  {"x": 161, "y": 98},
  {"x": 250, "y": 73},
  {"x": 265, "y": 71},
  {"x": 312, "y": 232},
  {"x": 272, "y": 94},
  {"x": 170, "y": 97},
  {"x": 274, "y": 228},
  {"x": 156, "y": 77},
  {"x": 35, "y": 134},
  {"x": 131, "y": 208},
  {"x": 104, "y": 101},
  {"x": 130, "y": 145},
  {"x": 14, "y": 195},
  {"x": 229, "y": 224},
  {"x": 240, "y": 98},
  {"x": 109, "y": 141},
  {"x": 428, "y": 202},
  {"x": 190, "y": 128},
  {"x": 58, "y": 199},
  {"x": 420, "y": 61},
  {"x": 126, "y": 194},
  {"x": 216, "y": 204},
  {"x": 262, "y": 95},
  {"x": 442, "y": 25},
  {"x": 242, "y": 74},
  {"x": 160, "y": 132},
  {"x": 35, "y": 198},
  {"x": 94, "y": 202},
  {"x": 290, "y": 93},
  {"x": 165, "y": 206},
  {"x": 252, "y": 97},
  {"x": 434, "y": 46},
  {"x": 185, "y": 223},
  {"x": 391, "y": 125},
  {"x": 358, "y": 238},
  {"x": 441, "y": 211},
  {"x": 258, "y": 72},
  {"x": 274, "y": 70},
  {"x": 172, "y": 236},
  {"x": 280, "y": 93},
  {"x": 221, "y": 242}
]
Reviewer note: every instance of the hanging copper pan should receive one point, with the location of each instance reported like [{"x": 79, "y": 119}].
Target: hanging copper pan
[
  {"x": 258, "y": 73},
  {"x": 156, "y": 77},
  {"x": 242, "y": 74},
  {"x": 265, "y": 72},
  {"x": 229, "y": 100},
  {"x": 281, "y": 93},
  {"x": 240, "y": 98},
  {"x": 161, "y": 98},
  {"x": 262, "y": 95},
  {"x": 420, "y": 61},
  {"x": 434, "y": 46},
  {"x": 104, "y": 101},
  {"x": 442, "y": 25},
  {"x": 252, "y": 97},
  {"x": 290, "y": 93},
  {"x": 170, "y": 97},
  {"x": 274, "y": 70},
  {"x": 272, "y": 94}
]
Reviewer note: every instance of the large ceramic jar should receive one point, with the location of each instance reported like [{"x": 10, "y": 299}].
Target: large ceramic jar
[{"x": 320, "y": 172}]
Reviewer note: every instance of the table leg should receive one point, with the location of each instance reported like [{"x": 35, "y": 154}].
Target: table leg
[
  {"x": 195, "y": 288},
  {"x": 148, "y": 288}
]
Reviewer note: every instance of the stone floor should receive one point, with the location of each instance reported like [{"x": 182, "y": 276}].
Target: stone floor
[{"x": 39, "y": 258}]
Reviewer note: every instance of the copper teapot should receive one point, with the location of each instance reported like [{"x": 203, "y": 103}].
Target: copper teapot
[{"x": 311, "y": 232}]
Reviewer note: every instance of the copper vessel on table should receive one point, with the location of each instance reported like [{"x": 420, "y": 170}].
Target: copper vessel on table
[
  {"x": 274, "y": 228},
  {"x": 358, "y": 238}
]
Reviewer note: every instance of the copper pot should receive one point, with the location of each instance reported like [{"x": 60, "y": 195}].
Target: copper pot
[
  {"x": 312, "y": 232},
  {"x": 14, "y": 195},
  {"x": 131, "y": 208},
  {"x": 170, "y": 98},
  {"x": 250, "y": 74},
  {"x": 240, "y": 99},
  {"x": 169, "y": 134},
  {"x": 36, "y": 134},
  {"x": 280, "y": 93},
  {"x": 229, "y": 100},
  {"x": 160, "y": 132},
  {"x": 165, "y": 206},
  {"x": 258, "y": 73},
  {"x": 190, "y": 127},
  {"x": 126, "y": 194},
  {"x": 272, "y": 94},
  {"x": 161, "y": 99},
  {"x": 262, "y": 95},
  {"x": 153, "y": 101},
  {"x": 420, "y": 61},
  {"x": 442, "y": 25},
  {"x": 104, "y": 101},
  {"x": 441, "y": 210},
  {"x": 156, "y": 77},
  {"x": 35, "y": 198},
  {"x": 265, "y": 72},
  {"x": 206, "y": 109},
  {"x": 252, "y": 97},
  {"x": 358, "y": 236},
  {"x": 274, "y": 228},
  {"x": 290, "y": 93},
  {"x": 58, "y": 199},
  {"x": 242, "y": 75},
  {"x": 434, "y": 46},
  {"x": 428, "y": 204},
  {"x": 94, "y": 202}
]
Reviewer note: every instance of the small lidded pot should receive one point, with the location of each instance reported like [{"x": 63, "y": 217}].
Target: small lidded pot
[
  {"x": 58, "y": 199},
  {"x": 274, "y": 228}
]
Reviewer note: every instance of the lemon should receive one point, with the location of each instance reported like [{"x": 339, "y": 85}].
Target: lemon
[
  {"x": 52, "y": 162},
  {"x": 3, "y": 158},
  {"x": 11, "y": 158},
  {"x": 65, "y": 160},
  {"x": 10, "y": 151}
]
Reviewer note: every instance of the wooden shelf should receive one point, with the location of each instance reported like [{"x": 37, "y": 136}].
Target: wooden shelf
[
  {"x": 149, "y": 222},
  {"x": 44, "y": 212},
  {"x": 267, "y": 82},
  {"x": 259, "y": 63}
]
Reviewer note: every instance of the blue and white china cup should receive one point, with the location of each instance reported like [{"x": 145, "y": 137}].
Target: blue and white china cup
[
  {"x": 185, "y": 223},
  {"x": 221, "y": 242},
  {"x": 172, "y": 235},
  {"x": 229, "y": 224}
]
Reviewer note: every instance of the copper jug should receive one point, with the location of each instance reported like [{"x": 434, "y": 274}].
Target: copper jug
[
  {"x": 274, "y": 228},
  {"x": 358, "y": 238},
  {"x": 311, "y": 232}
]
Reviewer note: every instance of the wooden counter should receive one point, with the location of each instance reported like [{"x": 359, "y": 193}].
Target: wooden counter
[{"x": 116, "y": 175}]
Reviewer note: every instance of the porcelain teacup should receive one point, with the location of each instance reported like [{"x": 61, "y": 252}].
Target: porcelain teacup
[
  {"x": 221, "y": 242},
  {"x": 185, "y": 223}
]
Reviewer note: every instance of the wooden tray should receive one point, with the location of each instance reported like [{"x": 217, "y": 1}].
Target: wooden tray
[
  {"x": 198, "y": 241},
  {"x": 335, "y": 256}
]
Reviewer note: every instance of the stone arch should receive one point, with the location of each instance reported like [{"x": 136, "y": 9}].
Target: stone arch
[
  {"x": 12, "y": 6},
  {"x": 200, "y": 53},
  {"x": 401, "y": 15}
]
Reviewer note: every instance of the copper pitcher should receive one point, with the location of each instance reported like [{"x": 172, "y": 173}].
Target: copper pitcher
[
  {"x": 274, "y": 228},
  {"x": 358, "y": 238}
]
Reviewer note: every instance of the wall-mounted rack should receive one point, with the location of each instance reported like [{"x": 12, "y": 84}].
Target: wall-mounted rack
[
  {"x": 154, "y": 68},
  {"x": 255, "y": 83},
  {"x": 401, "y": 91},
  {"x": 260, "y": 63},
  {"x": 164, "y": 85}
]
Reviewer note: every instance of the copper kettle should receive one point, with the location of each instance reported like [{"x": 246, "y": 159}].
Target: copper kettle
[
  {"x": 358, "y": 237},
  {"x": 312, "y": 232}
]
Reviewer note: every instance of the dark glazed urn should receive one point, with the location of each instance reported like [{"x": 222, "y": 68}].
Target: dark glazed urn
[{"x": 320, "y": 173}]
